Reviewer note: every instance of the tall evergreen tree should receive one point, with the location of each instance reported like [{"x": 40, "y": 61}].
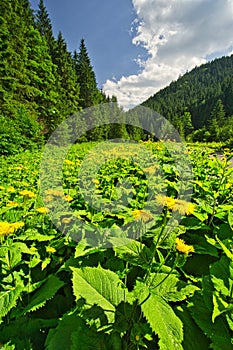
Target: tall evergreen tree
[
  {"x": 89, "y": 93},
  {"x": 44, "y": 26},
  {"x": 68, "y": 85}
]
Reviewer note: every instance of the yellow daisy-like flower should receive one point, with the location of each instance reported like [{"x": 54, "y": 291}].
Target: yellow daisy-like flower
[
  {"x": 12, "y": 204},
  {"x": 144, "y": 215},
  {"x": 178, "y": 205},
  {"x": 53, "y": 192},
  {"x": 27, "y": 193},
  {"x": 7, "y": 228},
  {"x": 165, "y": 201},
  {"x": 183, "y": 207},
  {"x": 2, "y": 188},
  {"x": 182, "y": 247},
  {"x": 50, "y": 250},
  {"x": 68, "y": 162},
  {"x": 11, "y": 189},
  {"x": 42, "y": 210},
  {"x": 68, "y": 198}
]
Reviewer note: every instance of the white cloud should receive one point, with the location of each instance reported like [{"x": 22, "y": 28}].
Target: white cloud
[{"x": 178, "y": 35}]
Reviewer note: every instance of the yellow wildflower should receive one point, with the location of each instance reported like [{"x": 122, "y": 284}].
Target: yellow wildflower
[
  {"x": 54, "y": 192},
  {"x": 68, "y": 162},
  {"x": 12, "y": 204},
  {"x": 162, "y": 200},
  {"x": 11, "y": 189},
  {"x": 144, "y": 215},
  {"x": 183, "y": 207},
  {"x": 2, "y": 188},
  {"x": 42, "y": 210},
  {"x": 6, "y": 228},
  {"x": 27, "y": 193},
  {"x": 66, "y": 220},
  {"x": 178, "y": 205},
  {"x": 182, "y": 247},
  {"x": 96, "y": 181},
  {"x": 68, "y": 198},
  {"x": 50, "y": 250}
]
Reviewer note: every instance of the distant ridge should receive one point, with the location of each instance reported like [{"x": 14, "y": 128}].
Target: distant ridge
[{"x": 197, "y": 92}]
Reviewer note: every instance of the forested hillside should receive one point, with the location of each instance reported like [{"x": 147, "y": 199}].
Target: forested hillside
[
  {"x": 200, "y": 103},
  {"x": 41, "y": 82}
]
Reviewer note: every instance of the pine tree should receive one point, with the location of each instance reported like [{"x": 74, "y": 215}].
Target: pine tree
[
  {"x": 89, "y": 93},
  {"x": 68, "y": 85},
  {"x": 44, "y": 26}
]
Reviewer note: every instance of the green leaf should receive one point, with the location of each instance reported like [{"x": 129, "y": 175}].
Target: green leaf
[
  {"x": 9, "y": 298},
  {"x": 219, "y": 306},
  {"x": 131, "y": 251},
  {"x": 230, "y": 219},
  {"x": 73, "y": 334},
  {"x": 98, "y": 286},
  {"x": 191, "y": 331},
  {"x": 218, "y": 331},
  {"x": 221, "y": 273},
  {"x": 163, "y": 322},
  {"x": 44, "y": 293},
  {"x": 225, "y": 249},
  {"x": 171, "y": 287}
]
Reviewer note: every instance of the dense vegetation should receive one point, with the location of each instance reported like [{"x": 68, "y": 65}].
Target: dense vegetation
[
  {"x": 165, "y": 290},
  {"x": 200, "y": 103},
  {"x": 41, "y": 83}
]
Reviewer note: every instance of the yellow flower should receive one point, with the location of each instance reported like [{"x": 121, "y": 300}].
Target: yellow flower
[
  {"x": 182, "y": 247},
  {"x": 178, "y": 205},
  {"x": 68, "y": 198},
  {"x": 2, "y": 188},
  {"x": 6, "y": 228},
  {"x": 27, "y": 193},
  {"x": 66, "y": 220},
  {"x": 144, "y": 215},
  {"x": 12, "y": 204},
  {"x": 53, "y": 192},
  {"x": 183, "y": 207},
  {"x": 42, "y": 210},
  {"x": 96, "y": 181},
  {"x": 162, "y": 200},
  {"x": 50, "y": 250},
  {"x": 11, "y": 189},
  {"x": 68, "y": 162}
]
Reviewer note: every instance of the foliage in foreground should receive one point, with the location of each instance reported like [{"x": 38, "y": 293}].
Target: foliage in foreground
[{"x": 157, "y": 292}]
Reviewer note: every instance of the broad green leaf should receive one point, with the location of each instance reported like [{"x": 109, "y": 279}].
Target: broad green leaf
[
  {"x": 191, "y": 331},
  {"x": 221, "y": 273},
  {"x": 44, "y": 293},
  {"x": 73, "y": 334},
  {"x": 98, "y": 286},
  {"x": 131, "y": 251},
  {"x": 217, "y": 332},
  {"x": 171, "y": 287},
  {"x": 219, "y": 306},
  {"x": 8, "y": 299},
  {"x": 228, "y": 253},
  {"x": 163, "y": 322}
]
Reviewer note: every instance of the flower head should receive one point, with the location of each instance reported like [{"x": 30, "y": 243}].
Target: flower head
[
  {"x": 68, "y": 198},
  {"x": 27, "y": 193},
  {"x": 182, "y": 247},
  {"x": 144, "y": 215},
  {"x": 7, "y": 228},
  {"x": 42, "y": 210}
]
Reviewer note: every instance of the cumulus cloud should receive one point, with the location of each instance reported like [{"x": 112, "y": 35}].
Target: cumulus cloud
[{"x": 178, "y": 35}]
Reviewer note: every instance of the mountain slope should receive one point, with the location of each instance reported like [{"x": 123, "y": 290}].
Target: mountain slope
[{"x": 197, "y": 92}]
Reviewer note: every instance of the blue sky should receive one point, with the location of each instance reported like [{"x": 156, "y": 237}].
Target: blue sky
[
  {"x": 106, "y": 27},
  {"x": 138, "y": 47}
]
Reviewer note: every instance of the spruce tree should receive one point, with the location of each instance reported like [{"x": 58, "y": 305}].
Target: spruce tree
[
  {"x": 89, "y": 93},
  {"x": 44, "y": 26}
]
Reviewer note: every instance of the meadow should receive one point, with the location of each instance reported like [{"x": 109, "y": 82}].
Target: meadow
[{"x": 143, "y": 258}]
